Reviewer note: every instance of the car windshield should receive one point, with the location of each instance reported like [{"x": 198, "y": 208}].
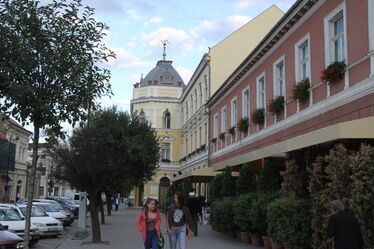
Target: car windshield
[
  {"x": 69, "y": 201},
  {"x": 35, "y": 212},
  {"x": 56, "y": 205},
  {"x": 47, "y": 207},
  {"x": 9, "y": 215}
]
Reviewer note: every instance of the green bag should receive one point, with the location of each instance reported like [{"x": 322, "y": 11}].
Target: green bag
[{"x": 161, "y": 242}]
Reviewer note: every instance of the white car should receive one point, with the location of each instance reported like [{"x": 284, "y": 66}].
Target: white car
[
  {"x": 47, "y": 225},
  {"x": 59, "y": 207},
  {"x": 51, "y": 211},
  {"x": 10, "y": 217}
]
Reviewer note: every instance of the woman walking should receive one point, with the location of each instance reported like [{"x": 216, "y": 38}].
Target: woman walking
[
  {"x": 148, "y": 223},
  {"x": 178, "y": 222}
]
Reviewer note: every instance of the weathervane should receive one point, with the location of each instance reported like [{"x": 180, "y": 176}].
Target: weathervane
[{"x": 164, "y": 43}]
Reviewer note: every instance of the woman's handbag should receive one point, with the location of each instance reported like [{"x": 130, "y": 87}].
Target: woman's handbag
[{"x": 161, "y": 242}]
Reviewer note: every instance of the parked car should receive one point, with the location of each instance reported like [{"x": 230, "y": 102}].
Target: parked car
[
  {"x": 15, "y": 222},
  {"x": 53, "y": 212},
  {"x": 59, "y": 207},
  {"x": 48, "y": 226},
  {"x": 9, "y": 239},
  {"x": 67, "y": 203}
]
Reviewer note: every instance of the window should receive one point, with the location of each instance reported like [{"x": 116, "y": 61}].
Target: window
[
  {"x": 245, "y": 102},
  {"x": 205, "y": 132},
  {"x": 182, "y": 116},
  {"x": 187, "y": 111},
  {"x": 334, "y": 23},
  {"x": 261, "y": 91},
  {"x": 196, "y": 103},
  {"x": 200, "y": 136},
  {"x": 56, "y": 191},
  {"x": 215, "y": 126},
  {"x": 195, "y": 139},
  {"x": 200, "y": 93},
  {"x": 142, "y": 115},
  {"x": 234, "y": 113},
  {"x": 186, "y": 146},
  {"x": 166, "y": 120},
  {"x": 165, "y": 151},
  {"x": 192, "y": 106},
  {"x": 206, "y": 87},
  {"x": 224, "y": 120},
  {"x": 279, "y": 77},
  {"x": 302, "y": 59},
  {"x": 41, "y": 191}
]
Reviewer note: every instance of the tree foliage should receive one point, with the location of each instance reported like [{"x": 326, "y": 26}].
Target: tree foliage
[
  {"x": 246, "y": 182},
  {"x": 292, "y": 184},
  {"x": 269, "y": 178},
  {"x": 117, "y": 150},
  {"x": 49, "y": 71},
  {"x": 228, "y": 183}
]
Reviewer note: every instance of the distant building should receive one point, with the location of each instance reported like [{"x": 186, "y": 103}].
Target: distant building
[{"x": 14, "y": 141}]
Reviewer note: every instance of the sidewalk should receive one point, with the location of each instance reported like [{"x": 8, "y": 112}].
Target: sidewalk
[{"x": 121, "y": 233}]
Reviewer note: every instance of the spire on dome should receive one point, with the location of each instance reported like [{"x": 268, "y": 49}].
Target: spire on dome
[{"x": 164, "y": 43}]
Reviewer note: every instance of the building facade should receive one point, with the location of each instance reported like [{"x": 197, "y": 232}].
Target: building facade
[
  {"x": 156, "y": 98},
  {"x": 14, "y": 143},
  {"x": 312, "y": 35}
]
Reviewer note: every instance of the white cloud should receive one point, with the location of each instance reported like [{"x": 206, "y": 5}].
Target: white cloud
[
  {"x": 126, "y": 59},
  {"x": 133, "y": 14},
  {"x": 244, "y": 4},
  {"x": 185, "y": 73},
  {"x": 176, "y": 37},
  {"x": 154, "y": 20},
  {"x": 122, "y": 103}
]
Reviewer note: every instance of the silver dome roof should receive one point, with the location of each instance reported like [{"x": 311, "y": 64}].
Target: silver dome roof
[{"x": 163, "y": 74}]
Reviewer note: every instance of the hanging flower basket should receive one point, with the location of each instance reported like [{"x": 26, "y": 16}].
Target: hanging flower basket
[
  {"x": 301, "y": 90},
  {"x": 258, "y": 116},
  {"x": 214, "y": 140},
  {"x": 222, "y": 135},
  {"x": 334, "y": 72},
  {"x": 243, "y": 124},
  {"x": 232, "y": 130},
  {"x": 276, "y": 106}
]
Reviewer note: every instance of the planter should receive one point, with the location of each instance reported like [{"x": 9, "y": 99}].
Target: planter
[
  {"x": 255, "y": 239},
  {"x": 238, "y": 236},
  {"x": 275, "y": 244},
  {"x": 286, "y": 246},
  {"x": 218, "y": 228},
  {"x": 244, "y": 237},
  {"x": 232, "y": 232},
  {"x": 266, "y": 240}
]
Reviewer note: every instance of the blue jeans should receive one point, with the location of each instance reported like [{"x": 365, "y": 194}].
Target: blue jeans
[
  {"x": 178, "y": 234},
  {"x": 151, "y": 240}
]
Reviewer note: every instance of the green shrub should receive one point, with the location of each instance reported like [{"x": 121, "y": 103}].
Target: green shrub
[
  {"x": 246, "y": 181},
  {"x": 216, "y": 187},
  {"x": 243, "y": 124},
  {"x": 242, "y": 204},
  {"x": 228, "y": 212},
  {"x": 288, "y": 221},
  {"x": 228, "y": 183},
  {"x": 258, "y": 116},
  {"x": 257, "y": 212},
  {"x": 276, "y": 106},
  {"x": 301, "y": 91},
  {"x": 269, "y": 178}
]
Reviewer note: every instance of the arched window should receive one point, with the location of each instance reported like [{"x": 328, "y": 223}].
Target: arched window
[
  {"x": 142, "y": 115},
  {"x": 166, "y": 120}
]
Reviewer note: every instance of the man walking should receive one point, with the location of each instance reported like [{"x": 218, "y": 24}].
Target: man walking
[
  {"x": 344, "y": 228},
  {"x": 194, "y": 206}
]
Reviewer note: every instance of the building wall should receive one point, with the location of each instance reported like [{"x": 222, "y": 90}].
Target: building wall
[
  {"x": 322, "y": 95},
  {"x": 231, "y": 51}
]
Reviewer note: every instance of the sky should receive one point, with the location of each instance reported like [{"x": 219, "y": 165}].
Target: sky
[{"x": 191, "y": 27}]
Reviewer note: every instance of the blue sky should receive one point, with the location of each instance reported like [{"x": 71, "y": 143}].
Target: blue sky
[{"x": 138, "y": 26}]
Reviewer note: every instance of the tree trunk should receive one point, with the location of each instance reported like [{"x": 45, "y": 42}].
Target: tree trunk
[
  {"x": 109, "y": 204},
  {"x": 102, "y": 214},
  {"x": 95, "y": 224},
  {"x": 31, "y": 185}
]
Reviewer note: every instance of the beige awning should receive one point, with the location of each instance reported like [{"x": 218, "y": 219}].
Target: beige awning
[{"x": 199, "y": 171}]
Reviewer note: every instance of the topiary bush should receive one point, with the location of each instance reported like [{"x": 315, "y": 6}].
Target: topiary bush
[
  {"x": 269, "y": 178},
  {"x": 246, "y": 181},
  {"x": 288, "y": 221},
  {"x": 228, "y": 212},
  {"x": 241, "y": 206},
  {"x": 216, "y": 187},
  {"x": 228, "y": 183}
]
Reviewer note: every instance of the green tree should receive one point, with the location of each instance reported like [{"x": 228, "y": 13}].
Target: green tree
[
  {"x": 116, "y": 147},
  {"x": 228, "y": 183},
  {"x": 293, "y": 180},
  {"x": 246, "y": 182},
  {"x": 49, "y": 73},
  {"x": 269, "y": 178},
  {"x": 362, "y": 191},
  {"x": 216, "y": 187}
]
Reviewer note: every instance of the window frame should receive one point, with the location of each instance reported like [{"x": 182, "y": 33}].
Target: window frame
[
  {"x": 277, "y": 90},
  {"x": 224, "y": 120},
  {"x": 215, "y": 125},
  {"x": 329, "y": 33},
  {"x": 261, "y": 76},
  {"x": 298, "y": 59},
  {"x": 246, "y": 105},
  {"x": 234, "y": 115},
  {"x": 163, "y": 149}
]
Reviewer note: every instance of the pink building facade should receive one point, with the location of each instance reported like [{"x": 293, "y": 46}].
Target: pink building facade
[{"x": 312, "y": 35}]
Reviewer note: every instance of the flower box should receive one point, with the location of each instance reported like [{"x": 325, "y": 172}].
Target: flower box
[
  {"x": 301, "y": 90},
  {"x": 258, "y": 116},
  {"x": 276, "y": 106},
  {"x": 334, "y": 72}
]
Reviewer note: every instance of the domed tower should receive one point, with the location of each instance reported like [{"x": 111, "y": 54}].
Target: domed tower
[{"x": 157, "y": 98}]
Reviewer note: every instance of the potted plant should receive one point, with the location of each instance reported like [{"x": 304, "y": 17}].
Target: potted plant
[
  {"x": 214, "y": 140},
  {"x": 243, "y": 124},
  {"x": 301, "y": 90},
  {"x": 222, "y": 135},
  {"x": 202, "y": 147},
  {"x": 334, "y": 72},
  {"x": 165, "y": 160},
  {"x": 276, "y": 106},
  {"x": 232, "y": 130},
  {"x": 258, "y": 116},
  {"x": 241, "y": 206}
]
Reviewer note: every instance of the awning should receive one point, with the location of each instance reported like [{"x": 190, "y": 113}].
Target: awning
[{"x": 196, "y": 172}]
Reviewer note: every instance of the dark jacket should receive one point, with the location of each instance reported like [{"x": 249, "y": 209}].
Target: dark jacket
[
  {"x": 194, "y": 205},
  {"x": 345, "y": 230},
  {"x": 178, "y": 216}
]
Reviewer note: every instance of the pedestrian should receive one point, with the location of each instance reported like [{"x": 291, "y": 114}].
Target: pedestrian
[
  {"x": 344, "y": 228},
  {"x": 148, "y": 223},
  {"x": 178, "y": 222},
  {"x": 194, "y": 205},
  {"x": 117, "y": 201}
]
